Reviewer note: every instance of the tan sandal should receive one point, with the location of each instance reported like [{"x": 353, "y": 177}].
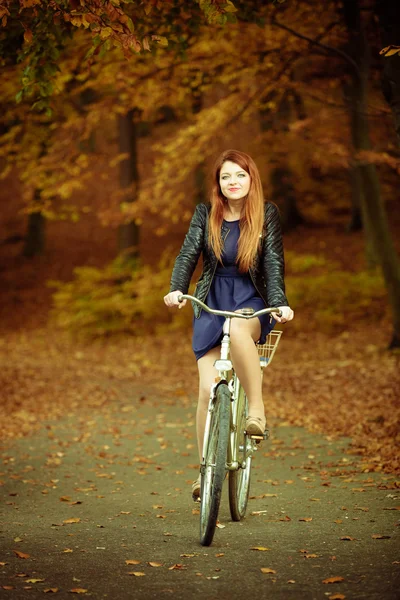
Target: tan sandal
[
  {"x": 196, "y": 485},
  {"x": 255, "y": 425}
]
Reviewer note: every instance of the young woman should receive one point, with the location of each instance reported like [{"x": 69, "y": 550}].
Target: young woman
[{"x": 239, "y": 236}]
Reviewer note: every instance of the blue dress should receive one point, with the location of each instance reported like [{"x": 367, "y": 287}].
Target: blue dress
[{"x": 230, "y": 290}]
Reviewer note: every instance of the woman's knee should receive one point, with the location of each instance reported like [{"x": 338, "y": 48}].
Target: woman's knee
[{"x": 242, "y": 330}]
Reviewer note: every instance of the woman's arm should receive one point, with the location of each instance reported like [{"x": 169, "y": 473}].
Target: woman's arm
[
  {"x": 273, "y": 258},
  {"x": 189, "y": 254}
]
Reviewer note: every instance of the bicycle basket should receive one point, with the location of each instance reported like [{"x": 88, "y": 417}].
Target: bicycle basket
[{"x": 266, "y": 351}]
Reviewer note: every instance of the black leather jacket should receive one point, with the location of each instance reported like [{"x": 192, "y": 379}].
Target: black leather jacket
[{"x": 267, "y": 273}]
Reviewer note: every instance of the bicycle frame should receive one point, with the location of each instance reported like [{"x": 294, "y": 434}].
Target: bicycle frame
[
  {"x": 224, "y": 367},
  {"x": 227, "y": 447}
]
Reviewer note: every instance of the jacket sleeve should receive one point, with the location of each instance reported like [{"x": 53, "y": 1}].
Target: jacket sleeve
[
  {"x": 273, "y": 258},
  {"x": 189, "y": 254}
]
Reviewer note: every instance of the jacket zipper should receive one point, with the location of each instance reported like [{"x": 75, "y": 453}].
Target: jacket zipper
[{"x": 215, "y": 268}]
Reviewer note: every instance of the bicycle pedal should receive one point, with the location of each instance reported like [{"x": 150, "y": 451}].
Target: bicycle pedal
[{"x": 261, "y": 437}]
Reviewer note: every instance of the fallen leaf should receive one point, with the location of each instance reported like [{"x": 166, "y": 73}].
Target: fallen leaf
[
  {"x": 17, "y": 539},
  {"x": 307, "y": 519},
  {"x": 260, "y": 548},
  {"x": 378, "y": 536},
  {"x": 220, "y": 526},
  {"x": 21, "y": 554},
  {"x": 347, "y": 538},
  {"x": 52, "y": 590},
  {"x": 187, "y": 555},
  {"x": 267, "y": 570},
  {"x": 285, "y": 518},
  {"x": 335, "y": 579},
  {"x": 337, "y": 597},
  {"x": 136, "y": 573},
  {"x": 291, "y": 581},
  {"x": 176, "y": 567},
  {"x": 311, "y": 555},
  {"x": 78, "y": 591},
  {"x": 132, "y": 562},
  {"x": 68, "y": 522},
  {"x": 220, "y": 554},
  {"x": 155, "y": 564}
]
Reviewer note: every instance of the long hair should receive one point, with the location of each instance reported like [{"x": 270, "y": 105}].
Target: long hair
[{"x": 252, "y": 217}]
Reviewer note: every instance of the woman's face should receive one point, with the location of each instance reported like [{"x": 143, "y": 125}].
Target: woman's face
[{"x": 234, "y": 181}]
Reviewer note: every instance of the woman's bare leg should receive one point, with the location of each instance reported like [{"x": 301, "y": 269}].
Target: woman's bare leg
[
  {"x": 207, "y": 375},
  {"x": 246, "y": 362}
]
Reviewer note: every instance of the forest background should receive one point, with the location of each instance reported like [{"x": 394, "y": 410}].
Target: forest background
[{"x": 112, "y": 115}]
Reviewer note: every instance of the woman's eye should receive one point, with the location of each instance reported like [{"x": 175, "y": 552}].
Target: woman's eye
[{"x": 241, "y": 175}]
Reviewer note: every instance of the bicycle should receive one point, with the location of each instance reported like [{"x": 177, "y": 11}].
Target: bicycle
[{"x": 227, "y": 448}]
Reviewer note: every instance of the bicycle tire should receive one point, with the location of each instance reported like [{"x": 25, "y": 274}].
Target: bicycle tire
[
  {"x": 214, "y": 465},
  {"x": 239, "y": 480}
]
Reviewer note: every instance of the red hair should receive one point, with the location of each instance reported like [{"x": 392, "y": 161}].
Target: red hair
[{"x": 252, "y": 217}]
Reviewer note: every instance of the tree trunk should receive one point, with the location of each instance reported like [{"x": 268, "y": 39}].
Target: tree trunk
[
  {"x": 356, "y": 188},
  {"x": 35, "y": 235},
  {"x": 128, "y": 233},
  {"x": 200, "y": 177},
  {"x": 373, "y": 211},
  {"x": 283, "y": 191},
  {"x": 284, "y": 195},
  {"x": 389, "y": 21}
]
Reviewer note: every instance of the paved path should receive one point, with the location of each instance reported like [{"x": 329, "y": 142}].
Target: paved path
[{"x": 93, "y": 491}]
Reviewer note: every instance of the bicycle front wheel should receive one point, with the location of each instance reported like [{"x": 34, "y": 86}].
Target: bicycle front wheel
[
  {"x": 239, "y": 480},
  {"x": 214, "y": 465}
]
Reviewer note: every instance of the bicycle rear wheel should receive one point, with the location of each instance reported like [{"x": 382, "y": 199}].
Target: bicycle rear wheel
[
  {"x": 239, "y": 480},
  {"x": 214, "y": 465}
]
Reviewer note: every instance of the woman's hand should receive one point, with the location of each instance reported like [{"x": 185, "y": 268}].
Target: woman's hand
[
  {"x": 171, "y": 300},
  {"x": 287, "y": 314}
]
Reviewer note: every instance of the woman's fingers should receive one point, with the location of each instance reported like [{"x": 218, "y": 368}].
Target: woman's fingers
[
  {"x": 287, "y": 314},
  {"x": 171, "y": 300}
]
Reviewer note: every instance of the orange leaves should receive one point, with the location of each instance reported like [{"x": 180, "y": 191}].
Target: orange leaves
[
  {"x": 390, "y": 50},
  {"x": 267, "y": 571},
  {"x": 71, "y": 521},
  {"x": 335, "y": 579},
  {"x": 21, "y": 554},
  {"x": 176, "y": 567},
  {"x": 378, "y": 536},
  {"x": 28, "y": 36}
]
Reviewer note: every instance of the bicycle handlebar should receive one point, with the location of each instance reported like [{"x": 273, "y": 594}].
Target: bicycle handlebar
[{"x": 228, "y": 313}]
